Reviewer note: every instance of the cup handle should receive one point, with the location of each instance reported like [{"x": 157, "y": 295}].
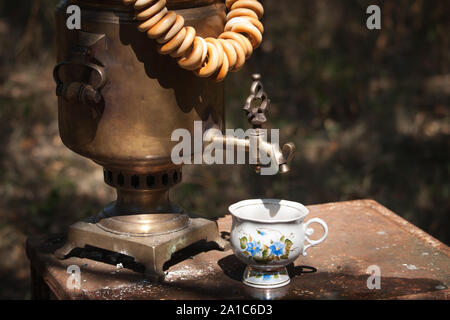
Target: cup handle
[{"x": 310, "y": 231}]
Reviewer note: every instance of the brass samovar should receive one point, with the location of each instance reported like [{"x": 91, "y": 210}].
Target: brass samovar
[{"x": 119, "y": 100}]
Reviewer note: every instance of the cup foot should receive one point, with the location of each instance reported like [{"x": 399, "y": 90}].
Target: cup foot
[{"x": 266, "y": 279}]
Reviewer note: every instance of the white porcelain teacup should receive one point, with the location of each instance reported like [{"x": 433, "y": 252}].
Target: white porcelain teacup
[{"x": 267, "y": 235}]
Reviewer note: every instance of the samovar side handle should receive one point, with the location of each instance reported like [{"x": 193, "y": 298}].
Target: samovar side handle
[{"x": 77, "y": 91}]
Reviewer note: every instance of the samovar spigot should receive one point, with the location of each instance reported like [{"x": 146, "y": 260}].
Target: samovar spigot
[
  {"x": 256, "y": 144},
  {"x": 255, "y": 110}
]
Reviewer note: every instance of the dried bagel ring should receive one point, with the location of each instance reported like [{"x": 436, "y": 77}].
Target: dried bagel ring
[
  {"x": 236, "y": 20},
  {"x": 229, "y": 3},
  {"x": 251, "y": 31},
  {"x": 139, "y": 4},
  {"x": 247, "y": 44},
  {"x": 187, "y": 42},
  {"x": 218, "y": 47},
  {"x": 223, "y": 71},
  {"x": 173, "y": 31},
  {"x": 244, "y": 42},
  {"x": 230, "y": 53},
  {"x": 151, "y": 11},
  {"x": 241, "y": 12},
  {"x": 174, "y": 43},
  {"x": 197, "y": 55},
  {"x": 239, "y": 53},
  {"x": 255, "y": 6},
  {"x": 162, "y": 26},
  {"x": 211, "y": 64},
  {"x": 147, "y": 24}
]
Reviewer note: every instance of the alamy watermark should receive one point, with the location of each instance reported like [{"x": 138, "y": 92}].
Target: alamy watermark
[
  {"x": 74, "y": 279},
  {"x": 73, "y": 22},
  {"x": 374, "y": 280},
  {"x": 374, "y": 20}
]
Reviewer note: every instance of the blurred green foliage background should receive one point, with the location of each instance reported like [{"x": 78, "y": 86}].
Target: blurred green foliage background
[{"x": 368, "y": 111}]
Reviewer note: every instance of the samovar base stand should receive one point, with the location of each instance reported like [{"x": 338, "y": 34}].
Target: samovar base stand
[{"x": 152, "y": 251}]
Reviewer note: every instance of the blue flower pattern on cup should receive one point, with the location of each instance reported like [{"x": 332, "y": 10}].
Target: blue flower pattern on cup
[
  {"x": 267, "y": 277},
  {"x": 263, "y": 277},
  {"x": 265, "y": 249},
  {"x": 253, "y": 248},
  {"x": 277, "y": 248}
]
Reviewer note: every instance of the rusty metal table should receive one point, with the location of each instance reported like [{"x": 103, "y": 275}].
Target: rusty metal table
[{"x": 362, "y": 233}]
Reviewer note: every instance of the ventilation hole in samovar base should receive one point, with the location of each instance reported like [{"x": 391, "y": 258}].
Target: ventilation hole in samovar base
[
  {"x": 120, "y": 179},
  {"x": 150, "y": 181},
  {"x": 190, "y": 252},
  {"x": 106, "y": 256},
  {"x": 135, "y": 181},
  {"x": 165, "y": 179}
]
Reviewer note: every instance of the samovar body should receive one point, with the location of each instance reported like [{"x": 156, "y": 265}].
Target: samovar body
[{"x": 119, "y": 101}]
